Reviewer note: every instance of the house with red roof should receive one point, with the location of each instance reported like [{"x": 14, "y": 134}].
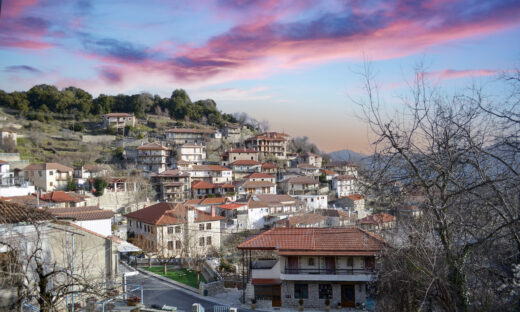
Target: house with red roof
[
  {"x": 174, "y": 230},
  {"x": 118, "y": 120},
  {"x": 257, "y": 183},
  {"x": 244, "y": 167},
  {"x": 344, "y": 185},
  {"x": 48, "y": 176},
  {"x": 315, "y": 265},
  {"x": 154, "y": 157},
  {"x": 269, "y": 169},
  {"x": 301, "y": 185},
  {"x": 202, "y": 189},
  {"x": 192, "y": 153},
  {"x": 269, "y": 143},
  {"x": 171, "y": 185},
  {"x": 211, "y": 173},
  {"x": 377, "y": 222},
  {"x": 235, "y": 154}
]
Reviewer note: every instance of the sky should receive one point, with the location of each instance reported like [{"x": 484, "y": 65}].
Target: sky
[{"x": 294, "y": 63}]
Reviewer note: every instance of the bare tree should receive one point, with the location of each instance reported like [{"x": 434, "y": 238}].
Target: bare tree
[{"x": 463, "y": 160}]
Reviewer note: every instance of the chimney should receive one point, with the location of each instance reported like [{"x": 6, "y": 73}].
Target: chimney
[{"x": 212, "y": 211}]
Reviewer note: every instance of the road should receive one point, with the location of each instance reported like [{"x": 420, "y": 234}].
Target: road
[{"x": 161, "y": 293}]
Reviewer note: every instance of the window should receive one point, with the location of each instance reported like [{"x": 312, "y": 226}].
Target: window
[
  {"x": 130, "y": 222},
  {"x": 170, "y": 245},
  {"x": 51, "y": 172},
  {"x": 301, "y": 291},
  {"x": 201, "y": 241},
  {"x": 40, "y": 173},
  {"x": 325, "y": 291},
  {"x": 350, "y": 261},
  {"x": 51, "y": 184},
  {"x": 310, "y": 262},
  {"x": 177, "y": 229},
  {"x": 178, "y": 244},
  {"x": 208, "y": 240},
  {"x": 201, "y": 227},
  {"x": 208, "y": 226},
  {"x": 170, "y": 230}
]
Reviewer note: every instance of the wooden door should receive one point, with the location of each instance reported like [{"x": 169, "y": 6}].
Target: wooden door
[
  {"x": 370, "y": 263},
  {"x": 293, "y": 264},
  {"x": 276, "y": 296},
  {"x": 348, "y": 296},
  {"x": 330, "y": 265}
]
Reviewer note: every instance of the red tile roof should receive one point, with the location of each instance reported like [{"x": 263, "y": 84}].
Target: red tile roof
[
  {"x": 61, "y": 197},
  {"x": 306, "y": 219},
  {"x": 269, "y": 136},
  {"x": 268, "y": 166},
  {"x": 152, "y": 146},
  {"x": 355, "y": 197},
  {"x": 82, "y": 213},
  {"x": 244, "y": 162},
  {"x": 14, "y": 213},
  {"x": 156, "y": 214},
  {"x": 190, "y": 130},
  {"x": 318, "y": 240},
  {"x": 378, "y": 219},
  {"x": 302, "y": 180},
  {"x": 232, "y": 206},
  {"x": 3, "y": 162},
  {"x": 206, "y": 201},
  {"x": 329, "y": 172},
  {"x": 259, "y": 175},
  {"x": 202, "y": 185}
]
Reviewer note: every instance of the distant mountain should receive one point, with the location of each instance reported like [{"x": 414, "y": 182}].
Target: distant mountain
[{"x": 347, "y": 155}]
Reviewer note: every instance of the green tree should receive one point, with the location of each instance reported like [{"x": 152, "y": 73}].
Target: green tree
[{"x": 99, "y": 187}]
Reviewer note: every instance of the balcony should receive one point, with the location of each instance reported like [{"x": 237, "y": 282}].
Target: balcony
[
  {"x": 265, "y": 269},
  {"x": 323, "y": 274}
]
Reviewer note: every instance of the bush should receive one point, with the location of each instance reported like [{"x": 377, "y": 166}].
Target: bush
[
  {"x": 111, "y": 130},
  {"x": 99, "y": 187},
  {"x": 71, "y": 186},
  {"x": 77, "y": 127}
]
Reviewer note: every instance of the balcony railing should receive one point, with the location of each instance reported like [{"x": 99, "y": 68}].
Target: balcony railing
[{"x": 329, "y": 271}]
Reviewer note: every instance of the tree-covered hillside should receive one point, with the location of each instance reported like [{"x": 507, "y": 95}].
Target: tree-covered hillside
[{"x": 42, "y": 102}]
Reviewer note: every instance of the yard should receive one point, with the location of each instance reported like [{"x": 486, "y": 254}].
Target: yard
[{"x": 187, "y": 277}]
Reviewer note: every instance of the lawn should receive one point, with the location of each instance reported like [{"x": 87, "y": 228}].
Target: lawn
[{"x": 187, "y": 277}]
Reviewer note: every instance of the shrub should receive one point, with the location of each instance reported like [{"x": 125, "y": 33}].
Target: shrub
[{"x": 99, "y": 187}]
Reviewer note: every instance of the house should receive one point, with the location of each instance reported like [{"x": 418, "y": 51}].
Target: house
[
  {"x": 243, "y": 167},
  {"x": 174, "y": 230},
  {"x": 344, "y": 185},
  {"x": 192, "y": 153},
  {"x": 235, "y": 216},
  {"x": 154, "y": 157},
  {"x": 265, "y": 209},
  {"x": 91, "y": 218},
  {"x": 201, "y": 189},
  {"x": 207, "y": 205},
  {"x": 311, "y": 264},
  {"x": 238, "y": 154},
  {"x": 118, "y": 120},
  {"x": 89, "y": 171},
  {"x": 300, "y": 185},
  {"x": 329, "y": 175},
  {"x": 309, "y": 219},
  {"x": 211, "y": 173},
  {"x": 179, "y": 136},
  {"x": 6, "y": 176},
  {"x": 62, "y": 199},
  {"x": 257, "y": 183},
  {"x": 310, "y": 159},
  {"x": 408, "y": 211},
  {"x": 232, "y": 133},
  {"x": 171, "y": 185},
  {"x": 269, "y": 143},
  {"x": 313, "y": 201},
  {"x": 343, "y": 167},
  {"x": 269, "y": 168},
  {"x": 57, "y": 242},
  {"x": 306, "y": 169},
  {"x": 48, "y": 176},
  {"x": 377, "y": 222}
]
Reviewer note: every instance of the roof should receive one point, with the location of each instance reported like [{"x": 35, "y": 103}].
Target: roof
[
  {"x": 118, "y": 115},
  {"x": 345, "y": 177},
  {"x": 206, "y": 201},
  {"x": 155, "y": 214},
  {"x": 209, "y": 168},
  {"x": 355, "y": 197},
  {"x": 3, "y": 162},
  {"x": 48, "y": 166},
  {"x": 81, "y": 213},
  {"x": 202, "y": 185},
  {"x": 306, "y": 219},
  {"x": 245, "y": 162},
  {"x": 259, "y": 175},
  {"x": 152, "y": 146},
  {"x": 171, "y": 173},
  {"x": 61, "y": 197},
  {"x": 16, "y": 213},
  {"x": 269, "y": 136},
  {"x": 232, "y": 206},
  {"x": 268, "y": 166},
  {"x": 307, "y": 166},
  {"x": 276, "y": 198},
  {"x": 25, "y": 200},
  {"x": 378, "y": 218},
  {"x": 317, "y": 240},
  {"x": 93, "y": 168},
  {"x": 190, "y": 130},
  {"x": 302, "y": 180},
  {"x": 254, "y": 184},
  {"x": 329, "y": 172}
]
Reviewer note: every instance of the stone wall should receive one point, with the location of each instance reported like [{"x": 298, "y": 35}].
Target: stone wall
[
  {"x": 98, "y": 138},
  {"x": 212, "y": 288},
  {"x": 121, "y": 202},
  {"x": 313, "y": 300}
]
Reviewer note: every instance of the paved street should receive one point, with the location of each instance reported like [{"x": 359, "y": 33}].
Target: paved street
[{"x": 160, "y": 293}]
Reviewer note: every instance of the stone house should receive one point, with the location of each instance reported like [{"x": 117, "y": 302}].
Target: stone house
[
  {"x": 300, "y": 185},
  {"x": 171, "y": 185},
  {"x": 238, "y": 154},
  {"x": 269, "y": 144},
  {"x": 48, "y": 176},
  {"x": 118, "y": 120}
]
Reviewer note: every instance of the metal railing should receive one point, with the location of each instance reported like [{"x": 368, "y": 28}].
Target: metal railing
[{"x": 328, "y": 271}]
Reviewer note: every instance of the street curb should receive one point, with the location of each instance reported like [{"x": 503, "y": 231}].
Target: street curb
[{"x": 168, "y": 280}]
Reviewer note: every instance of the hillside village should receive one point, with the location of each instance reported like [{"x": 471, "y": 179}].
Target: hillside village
[{"x": 166, "y": 192}]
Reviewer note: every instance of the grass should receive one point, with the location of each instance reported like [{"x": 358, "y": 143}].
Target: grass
[{"x": 187, "y": 277}]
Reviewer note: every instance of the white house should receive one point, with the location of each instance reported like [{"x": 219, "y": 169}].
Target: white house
[
  {"x": 49, "y": 176},
  {"x": 344, "y": 185},
  {"x": 211, "y": 173},
  {"x": 91, "y": 218},
  {"x": 118, "y": 120},
  {"x": 313, "y": 201},
  {"x": 192, "y": 153}
]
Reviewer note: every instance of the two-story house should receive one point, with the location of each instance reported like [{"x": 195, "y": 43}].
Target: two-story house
[
  {"x": 170, "y": 230},
  {"x": 118, "y": 120},
  {"x": 344, "y": 185},
  {"x": 301, "y": 185},
  {"x": 244, "y": 167},
  {"x": 192, "y": 153},
  {"x": 238, "y": 154},
  {"x": 179, "y": 136},
  {"x": 48, "y": 176},
  {"x": 154, "y": 157},
  {"x": 269, "y": 143},
  {"x": 311, "y": 264},
  {"x": 310, "y": 159},
  {"x": 211, "y": 173},
  {"x": 201, "y": 189},
  {"x": 171, "y": 185},
  {"x": 257, "y": 183}
]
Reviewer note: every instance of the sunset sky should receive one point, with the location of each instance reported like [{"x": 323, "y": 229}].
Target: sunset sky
[{"x": 292, "y": 63}]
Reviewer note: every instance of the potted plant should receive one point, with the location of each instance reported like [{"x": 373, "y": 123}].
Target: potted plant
[
  {"x": 253, "y": 304},
  {"x": 327, "y": 305},
  {"x": 300, "y": 308}
]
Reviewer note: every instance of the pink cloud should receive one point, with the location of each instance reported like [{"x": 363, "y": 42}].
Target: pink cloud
[{"x": 452, "y": 73}]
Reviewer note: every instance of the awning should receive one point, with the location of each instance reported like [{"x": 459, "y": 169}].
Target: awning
[
  {"x": 125, "y": 246},
  {"x": 266, "y": 281}
]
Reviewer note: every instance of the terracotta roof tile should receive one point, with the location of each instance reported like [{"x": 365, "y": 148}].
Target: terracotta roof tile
[
  {"x": 302, "y": 180},
  {"x": 60, "y": 197},
  {"x": 209, "y": 168},
  {"x": 152, "y": 146},
  {"x": 202, "y": 185},
  {"x": 232, "y": 206},
  {"x": 14, "y": 213},
  {"x": 245, "y": 162},
  {"x": 259, "y": 175},
  {"x": 378, "y": 218},
  {"x": 48, "y": 166},
  {"x": 154, "y": 214},
  {"x": 355, "y": 197},
  {"x": 268, "y": 166},
  {"x": 82, "y": 213}
]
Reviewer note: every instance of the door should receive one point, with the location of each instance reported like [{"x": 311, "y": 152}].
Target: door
[
  {"x": 370, "y": 263},
  {"x": 276, "y": 296},
  {"x": 330, "y": 265},
  {"x": 293, "y": 265},
  {"x": 348, "y": 296}
]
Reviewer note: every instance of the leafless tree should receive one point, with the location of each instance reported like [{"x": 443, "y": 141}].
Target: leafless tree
[{"x": 460, "y": 153}]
